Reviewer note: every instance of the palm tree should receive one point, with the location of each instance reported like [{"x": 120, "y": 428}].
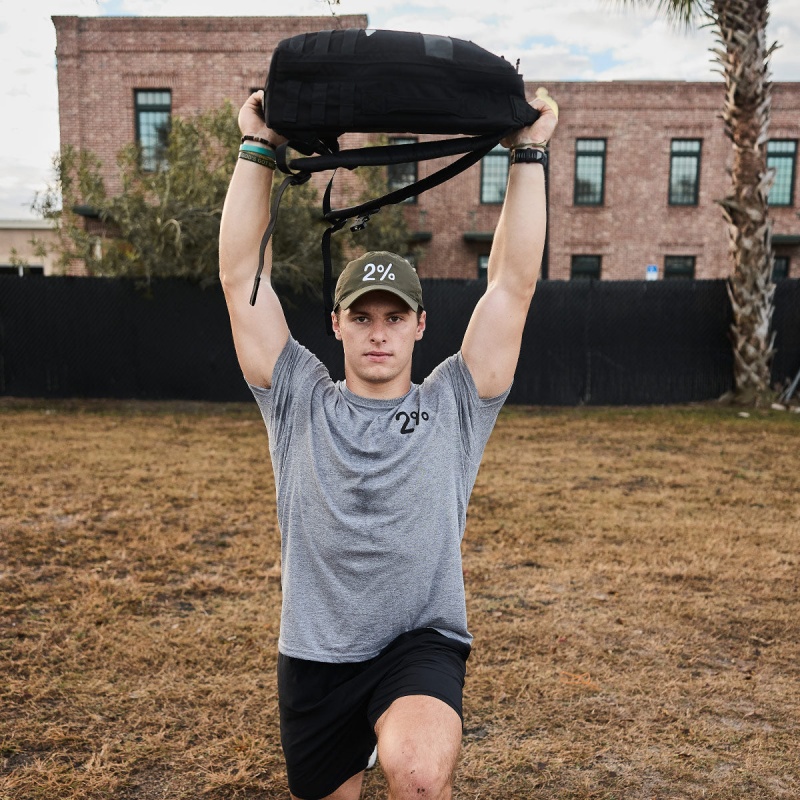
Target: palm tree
[{"x": 743, "y": 56}]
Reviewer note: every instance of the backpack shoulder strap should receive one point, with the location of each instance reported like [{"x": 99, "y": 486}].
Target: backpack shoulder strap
[
  {"x": 413, "y": 189},
  {"x": 473, "y": 149},
  {"x": 381, "y": 155},
  {"x": 338, "y": 217}
]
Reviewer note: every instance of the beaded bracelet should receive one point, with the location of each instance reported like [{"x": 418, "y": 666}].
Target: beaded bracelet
[
  {"x": 264, "y": 161},
  {"x": 267, "y": 142}
]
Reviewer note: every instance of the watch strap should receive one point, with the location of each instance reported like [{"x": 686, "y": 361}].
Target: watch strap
[{"x": 528, "y": 155}]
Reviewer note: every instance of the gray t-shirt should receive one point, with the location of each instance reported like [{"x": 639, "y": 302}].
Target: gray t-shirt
[{"x": 372, "y": 504}]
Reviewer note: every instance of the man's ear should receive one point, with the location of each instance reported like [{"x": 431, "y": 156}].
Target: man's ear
[
  {"x": 335, "y": 323},
  {"x": 420, "y": 326}
]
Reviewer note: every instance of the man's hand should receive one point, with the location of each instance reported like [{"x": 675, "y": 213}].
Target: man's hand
[
  {"x": 251, "y": 120},
  {"x": 540, "y": 132}
]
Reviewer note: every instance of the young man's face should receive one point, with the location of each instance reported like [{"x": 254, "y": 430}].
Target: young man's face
[{"x": 378, "y": 332}]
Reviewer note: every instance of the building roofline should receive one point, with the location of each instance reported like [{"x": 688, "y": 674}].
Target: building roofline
[
  {"x": 26, "y": 224},
  {"x": 646, "y": 83},
  {"x": 197, "y": 23}
]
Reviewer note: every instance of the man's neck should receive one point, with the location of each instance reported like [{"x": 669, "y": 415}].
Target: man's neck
[{"x": 375, "y": 390}]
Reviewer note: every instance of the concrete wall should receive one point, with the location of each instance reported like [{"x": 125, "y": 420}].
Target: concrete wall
[{"x": 17, "y": 237}]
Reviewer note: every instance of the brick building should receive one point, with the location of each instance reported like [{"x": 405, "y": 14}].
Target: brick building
[{"x": 635, "y": 167}]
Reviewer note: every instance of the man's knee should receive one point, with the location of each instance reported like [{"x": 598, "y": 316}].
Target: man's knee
[
  {"x": 411, "y": 772},
  {"x": 419, "y": 739}
]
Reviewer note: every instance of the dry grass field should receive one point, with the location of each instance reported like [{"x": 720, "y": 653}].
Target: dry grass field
[{"x": 632, "y": 580}]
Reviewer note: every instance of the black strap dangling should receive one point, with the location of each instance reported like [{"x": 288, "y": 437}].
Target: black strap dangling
[{"x": 293, "y": 179}]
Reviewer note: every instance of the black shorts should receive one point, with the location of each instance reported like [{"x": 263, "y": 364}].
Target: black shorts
[{"x": 328, "y": 711}]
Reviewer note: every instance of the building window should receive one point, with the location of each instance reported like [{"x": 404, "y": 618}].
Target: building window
[
  {"x": 483, "y": 266},
  {"x": 780, "y": 268},
  {"x": 679, "y": 267},
  {"x": 590, "y": 172},
  {"x": 153, "y": 109},
  {"x": 684, "y": 172},
  {"x": 494, "y": 175},
  {"x": 782, "y": 157},
  {"x": 401, "y": 175},
  {"x": 21, "y": 270},
  {"x": 584, "y": 267}
]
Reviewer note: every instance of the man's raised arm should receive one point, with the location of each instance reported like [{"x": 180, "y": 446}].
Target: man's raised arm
[
  {"x": 492, "y": 342},
  {"x": 259, "y": 332}
]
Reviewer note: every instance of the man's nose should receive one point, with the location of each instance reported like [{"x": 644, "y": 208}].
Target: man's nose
[{"x": 378, "y": 332}]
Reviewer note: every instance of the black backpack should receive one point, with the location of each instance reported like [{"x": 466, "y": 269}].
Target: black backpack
[{"x": 321, "y": 85}]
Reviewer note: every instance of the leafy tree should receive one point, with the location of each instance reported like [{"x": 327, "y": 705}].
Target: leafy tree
[
  {"x": 16, "y": 260},
  {"x": 743, "y": 55},
  {"x": 165, "y": 223}
]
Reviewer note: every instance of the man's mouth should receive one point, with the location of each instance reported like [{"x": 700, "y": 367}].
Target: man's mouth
[{"x": 377, "y": 355}]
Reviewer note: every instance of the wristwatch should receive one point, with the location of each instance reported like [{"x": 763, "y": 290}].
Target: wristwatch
[{"x": 528, "y": 155}]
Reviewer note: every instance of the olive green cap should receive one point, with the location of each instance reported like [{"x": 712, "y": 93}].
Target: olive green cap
[{"x": 378, "y": 270}]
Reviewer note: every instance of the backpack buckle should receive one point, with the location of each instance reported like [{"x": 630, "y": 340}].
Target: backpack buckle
[{"x": 362, "y": 221}]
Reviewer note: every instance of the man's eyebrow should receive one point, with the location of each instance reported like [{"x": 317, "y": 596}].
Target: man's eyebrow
[{"x": 392, "y": 312}]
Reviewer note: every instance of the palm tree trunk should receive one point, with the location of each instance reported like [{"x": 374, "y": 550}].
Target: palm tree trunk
[{"x": 744, "y": 56}]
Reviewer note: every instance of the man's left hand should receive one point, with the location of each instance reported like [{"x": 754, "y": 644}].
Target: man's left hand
[{"x": 540, "y": 132}]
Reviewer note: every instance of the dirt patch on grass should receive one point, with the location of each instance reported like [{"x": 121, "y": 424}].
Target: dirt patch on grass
[{"x": 632, "y": 582}]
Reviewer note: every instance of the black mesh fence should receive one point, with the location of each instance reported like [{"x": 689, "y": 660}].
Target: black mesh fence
[
  {"x": 95, "y": 337},
  {"x": 786, "y": 324},
  {"x": 592, "y": 342}
]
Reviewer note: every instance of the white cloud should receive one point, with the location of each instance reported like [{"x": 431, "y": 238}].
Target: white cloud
[
  {"x": 784, "y": 28},
  {"x": 19, "y": 184},
  {"x": 567, "y": 40},
  {"x": 237, "y": 8}
]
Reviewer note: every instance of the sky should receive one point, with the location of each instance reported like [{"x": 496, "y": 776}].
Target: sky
[{"x": 582, "y": 40}]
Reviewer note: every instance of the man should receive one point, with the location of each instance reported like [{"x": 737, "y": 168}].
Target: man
[{"x": 373, "y": 477}]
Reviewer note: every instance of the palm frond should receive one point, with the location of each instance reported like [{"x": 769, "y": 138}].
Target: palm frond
[{"x": 681, "y": 13}]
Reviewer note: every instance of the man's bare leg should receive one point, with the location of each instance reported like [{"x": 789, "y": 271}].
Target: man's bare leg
[{"x": 419, "y": 739}]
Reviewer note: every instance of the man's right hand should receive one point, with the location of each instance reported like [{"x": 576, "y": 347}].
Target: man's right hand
[{"x": 251, "y": 120}]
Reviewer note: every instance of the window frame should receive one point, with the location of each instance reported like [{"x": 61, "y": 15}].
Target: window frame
[
  {"x": 582, "y": 273},
  {"x": 150, "y": 162},
  {"x": 590, "y": 154},
  {"x": 495, "y": 154},
  {"x": 792, "y": 175},
  {"x": 396, "y": 185},
  {"x": 674, "y": 271},
  {"x": 787, "y": 267},
  {"x": 22, "y": 270},
  {"x": 697, "y": 157}
]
